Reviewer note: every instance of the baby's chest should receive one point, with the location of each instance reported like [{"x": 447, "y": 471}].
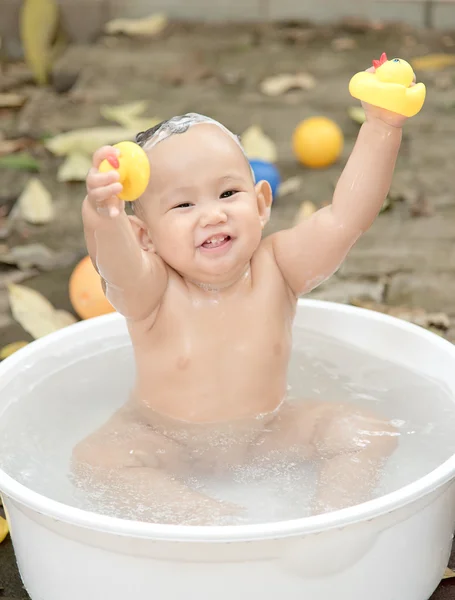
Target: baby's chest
[{"x": 243, "y": 333}]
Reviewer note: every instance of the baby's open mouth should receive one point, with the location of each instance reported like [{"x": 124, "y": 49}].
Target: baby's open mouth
[{"x": 216, "y": 241}]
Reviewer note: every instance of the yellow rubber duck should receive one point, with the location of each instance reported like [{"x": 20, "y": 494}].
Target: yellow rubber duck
[
  {"x": 389, "y": 87},
  {"x": 134, "y": 168}
]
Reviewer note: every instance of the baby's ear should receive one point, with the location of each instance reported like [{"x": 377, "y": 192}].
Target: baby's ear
[
  {"x": 264, "y": 199},
  {"x": 141, "y": 232}
]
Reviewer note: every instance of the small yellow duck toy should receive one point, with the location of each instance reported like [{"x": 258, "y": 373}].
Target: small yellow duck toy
[
  {"x": 389, "y": 87},
  {"x": 134, "y": 169}
]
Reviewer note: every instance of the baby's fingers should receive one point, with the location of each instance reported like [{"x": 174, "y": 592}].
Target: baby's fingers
[
  {"x": 103, "y": 153},
  {"x": 100, "y": 195},
  {"x": 95, "y": 179}
]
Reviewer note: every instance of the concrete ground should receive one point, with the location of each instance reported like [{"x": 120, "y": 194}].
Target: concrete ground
[{"x": 407, "y": 259}]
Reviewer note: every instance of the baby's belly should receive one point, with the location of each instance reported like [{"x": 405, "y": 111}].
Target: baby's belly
[{"x": 204, "y": 393}]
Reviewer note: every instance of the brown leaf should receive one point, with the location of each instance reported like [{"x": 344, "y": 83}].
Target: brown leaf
[
  {"x": 418, "y": 316},
  {"x": 344, "y": 43},
  {"x": 191, "y": 71},
  {"x": 10, "y": 146},
  {"x": 12, "y": 100},
  {"x": 421, "y": 206},
  {"x": 36, "y": 255},
  {"x": 280, "y": 84}
]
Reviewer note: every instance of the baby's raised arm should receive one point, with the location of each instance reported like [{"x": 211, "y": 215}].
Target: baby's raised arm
[
  {"x": 313, "y": 250},
  {"x": 133, "y": 278}
]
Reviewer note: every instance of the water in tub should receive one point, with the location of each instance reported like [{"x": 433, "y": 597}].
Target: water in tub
[{"x": 73, "y": 393}]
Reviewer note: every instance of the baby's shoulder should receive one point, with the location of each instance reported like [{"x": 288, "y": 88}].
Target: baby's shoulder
[{"x": 264, "y": 267}]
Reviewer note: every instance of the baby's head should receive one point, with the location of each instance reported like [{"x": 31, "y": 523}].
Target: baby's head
[{"x": 202, "y": 212}]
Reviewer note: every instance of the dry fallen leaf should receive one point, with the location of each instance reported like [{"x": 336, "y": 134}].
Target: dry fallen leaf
[
  {"x": 11, "y": 100},
  {"x": 344, "y": 43},
  {"x": 418, "y": 316},
  {"x": 37, "y": 255},
  {"x": 38, "y": 27},
  {"x": 449, "y": 574},
  {"x": 433, "y": 62},
  {"x": 35, "y": 313},
  {"x": 421, "y": 206},
  {"x": 86, "y": 141},
  {"x": 123, "y": 114},
  {"x": 280, "y": 84},
  {"x": 148, "y": 26},
  {"x": 74, "y": 168},
  {"x": 4, "y": 530},
  {"x": 10, "y": 146},
  {"x": 10, "y": 349},
  {"x": 144, "y": 123},
  {"x": 305, "y": 211},
  {"x": 290, "y": 186},
  {"x": 258, "y": 146},
  {"x": 35, "y": 203},
  {"x": 357, "y": 114}
]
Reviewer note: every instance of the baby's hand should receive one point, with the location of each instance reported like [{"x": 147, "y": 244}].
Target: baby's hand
[
  {"x": 103, "y": 188},
  {"x": 381, "y": 114}
]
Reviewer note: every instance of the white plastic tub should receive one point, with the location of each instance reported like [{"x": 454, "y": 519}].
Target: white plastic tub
[{"x": 392, "y": 548}]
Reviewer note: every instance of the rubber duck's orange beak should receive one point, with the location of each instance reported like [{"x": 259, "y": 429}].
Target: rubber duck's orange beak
[{"x": 381, "y": 61}]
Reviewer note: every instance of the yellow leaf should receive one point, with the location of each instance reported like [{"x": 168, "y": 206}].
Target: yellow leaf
[
  {"x": 128, "y": 116},
  {"x": 38, "y": 26},
  {"x": 448, "y": 574},
  {"x": 143, "y": 123},
  {"x": 290, "y": 186},
  {"x": 35, "y": 203},
  {"x": 433, "y": 62},
  {"x": 305, "y": 211},
  {"x": 258, "y": 146},
  {"x": 86, "y": 141},
  {"x": 10, "y": 349},
  {"x": 123, "y": 113},
  {"x": 4, "y": 530},
  {"x": 148, "y": 26},
  {"x": 75, "y": 167},
  {"x": 357, "y": 114},
  {"x": 35, "y": 313}
]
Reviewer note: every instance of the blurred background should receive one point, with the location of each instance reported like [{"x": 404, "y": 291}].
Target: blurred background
[{"x": 77, "y": 74}]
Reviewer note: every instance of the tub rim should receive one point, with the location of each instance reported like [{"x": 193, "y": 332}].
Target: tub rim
[{"x": 339, "y": 519}]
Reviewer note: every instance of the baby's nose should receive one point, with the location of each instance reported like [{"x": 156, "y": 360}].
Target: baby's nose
[{"x": 213, "y": 216}]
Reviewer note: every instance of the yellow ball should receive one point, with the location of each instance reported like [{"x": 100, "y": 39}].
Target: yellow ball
[{"x": 317, "y": 142}]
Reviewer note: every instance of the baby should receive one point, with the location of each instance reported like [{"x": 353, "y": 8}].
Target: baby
[{"x": 209, "y": 306}]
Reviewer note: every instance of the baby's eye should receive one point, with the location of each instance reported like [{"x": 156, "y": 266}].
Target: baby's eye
[
  {"x": 228, "y": 194},
  {"x": 183, "y": 205}
]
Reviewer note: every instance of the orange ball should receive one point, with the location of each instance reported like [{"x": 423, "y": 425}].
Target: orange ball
[
  {"x": 86, "y": 292},
  {"x": 317, "y": 142}
]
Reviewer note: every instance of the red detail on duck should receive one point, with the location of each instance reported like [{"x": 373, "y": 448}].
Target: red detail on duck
[
  {"x": 381, "y": 61},
  {"x": 113, "y": 161}
]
